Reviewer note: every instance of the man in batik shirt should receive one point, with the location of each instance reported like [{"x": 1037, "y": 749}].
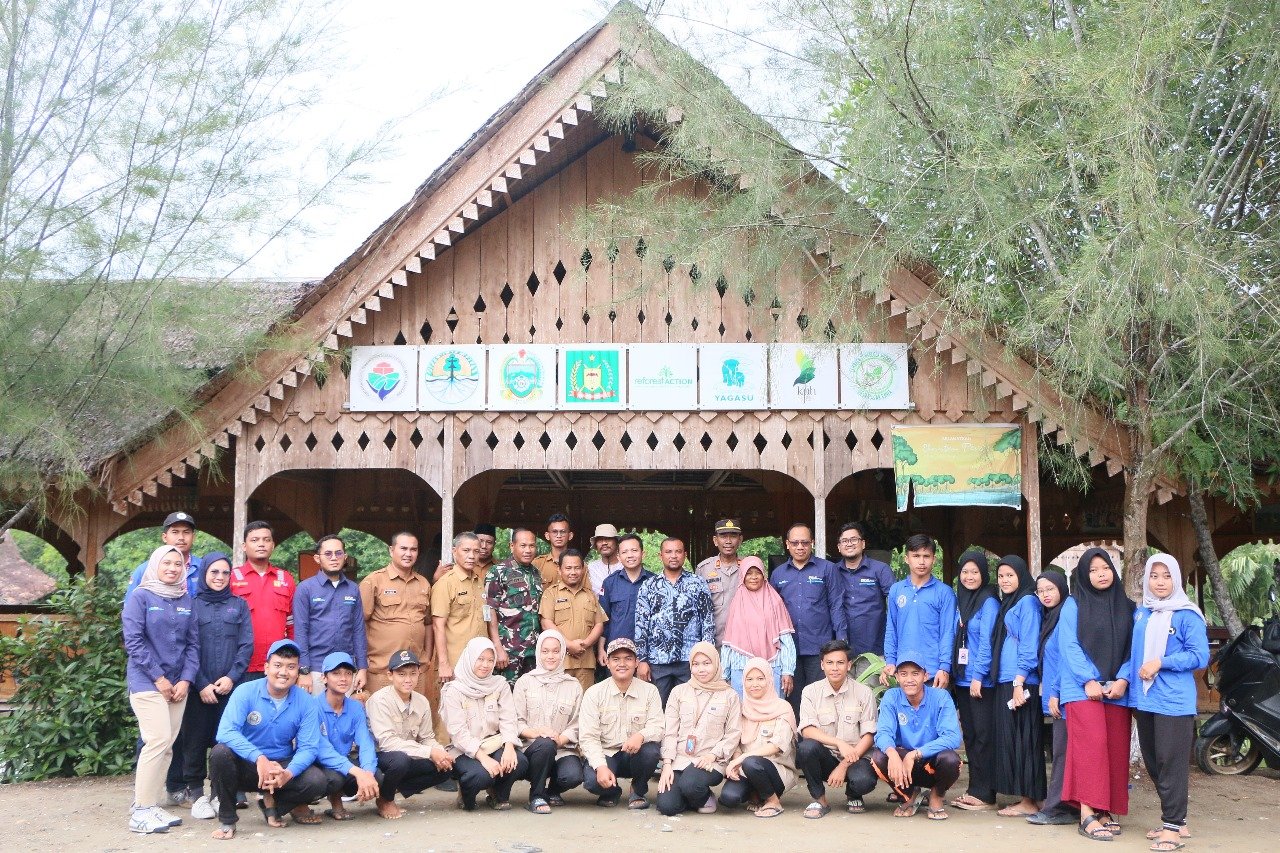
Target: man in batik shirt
[
  {"x": 673, "y": 612},
  {"x": 513, "y": 591}
]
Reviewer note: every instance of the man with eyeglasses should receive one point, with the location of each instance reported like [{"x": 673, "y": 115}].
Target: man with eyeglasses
[
  {"x": 813, "y": 591},
  {"x": 328, "y": 617},
  {"x": 866, "y": 588}
]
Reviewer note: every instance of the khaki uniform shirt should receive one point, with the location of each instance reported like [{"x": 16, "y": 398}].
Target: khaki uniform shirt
[
  {"x": 575, "y": 614},
  {"x": 555, "y": 708},
  {"x": 470, "y": 721},
  {"x": 609, "y": 717},
  {"x": 700, "y": 722},
  {"x": 722, "y": 582},
  {"x": 780, "y": 734},
  {"x": 397, "y": 614},
  {"x": 396, "y": 729},
  {"x": 549, "y": 569},
  {"x": 460, "y": 600},
  {"x": 847, "y": 715}
]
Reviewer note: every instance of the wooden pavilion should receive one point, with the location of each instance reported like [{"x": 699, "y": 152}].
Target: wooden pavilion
[{"x": 484, "y": 252}]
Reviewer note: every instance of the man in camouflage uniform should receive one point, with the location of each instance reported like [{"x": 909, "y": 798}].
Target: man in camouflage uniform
[{"x": 513, "y": 591}]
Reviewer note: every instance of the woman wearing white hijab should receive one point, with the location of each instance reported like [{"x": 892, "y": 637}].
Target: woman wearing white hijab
[
  {"x": 547, "y": 700},
  {"x": 480, "y": 715},
  {"x": 1169, "y": 644},
  {"x": 162, "y": 639}
]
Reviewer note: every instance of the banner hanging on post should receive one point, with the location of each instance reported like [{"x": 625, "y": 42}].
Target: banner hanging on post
[
  {"x": 384, "y": 379},
  {"x": 976, "y": 465}
]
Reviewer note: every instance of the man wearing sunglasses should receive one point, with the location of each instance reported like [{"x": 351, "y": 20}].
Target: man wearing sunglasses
[{"x": 328, "y": 617}]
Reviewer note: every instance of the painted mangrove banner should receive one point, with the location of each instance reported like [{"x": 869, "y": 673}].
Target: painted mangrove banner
[
  {"x": 662, "y": 377},
  {"x": 383, "y": 379},
  {"x": 451, "y": 378},
  {"x": 522, "y": 378},
  {"x": 592, "y": 376},
  {"x": 958, "y": 465}
]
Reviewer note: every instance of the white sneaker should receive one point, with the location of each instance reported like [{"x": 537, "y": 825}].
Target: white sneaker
[
  {"x": 163, "y": 815},
  {"x": 146, "y": 821},
  {"x": 205, "y": 808}
]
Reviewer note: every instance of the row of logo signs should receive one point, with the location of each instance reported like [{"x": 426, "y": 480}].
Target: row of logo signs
[{"x": 653, "y": 377}]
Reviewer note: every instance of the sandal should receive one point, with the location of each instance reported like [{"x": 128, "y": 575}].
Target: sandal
[
  {"x": 1183, "y": 832},
  {"x": 637, "y": 803},
  {"x": 937, "y": 814},
  {"x": 555, "y": 801},
  {"x": 1167, "y": 846},
  {"x": 606, "y": 802},
  {"x": 539, "y": 806},
  {"x": 768, "y": 811},
  {"x": 500, "y": 805},
  {"x": 855, "y": 806},
  {"x": 339, "y": 815},
  {"x": 1013, "y": 811},
  {"x": 816, "y": 810},
  {"x": 909, "y": 808},
  {"x": 1101, "y": 833},
  {"x": 310, "y": 818},
  {"x": 270, "y": 814},
  {"x": 1110, "y": 823},
  {"x": 225, "y": 832},
  {"x": 970, "y": 803}
]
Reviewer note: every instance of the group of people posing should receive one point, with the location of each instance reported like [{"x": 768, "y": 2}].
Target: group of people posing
[{"x": 566, "y": 673}]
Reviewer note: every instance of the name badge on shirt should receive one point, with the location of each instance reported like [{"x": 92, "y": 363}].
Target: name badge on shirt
[
  {"x": 962, "y": 656},
  {"x": 691, "y": 745}
]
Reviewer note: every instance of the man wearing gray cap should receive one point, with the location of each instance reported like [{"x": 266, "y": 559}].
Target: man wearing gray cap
[
  {"x": 720, "y": 571},
  {"x": 605, "y": 541}
]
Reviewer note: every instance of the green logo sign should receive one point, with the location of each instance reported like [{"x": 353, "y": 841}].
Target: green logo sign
[{"x": 591, "y": 376}]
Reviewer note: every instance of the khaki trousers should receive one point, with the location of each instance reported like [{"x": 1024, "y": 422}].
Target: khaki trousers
[{"x": 158, "y": 724}]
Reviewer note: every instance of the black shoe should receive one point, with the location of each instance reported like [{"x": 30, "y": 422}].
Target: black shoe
[
  {"x": 1051, "y": 818},
  {"x": 448, "y": 785}
]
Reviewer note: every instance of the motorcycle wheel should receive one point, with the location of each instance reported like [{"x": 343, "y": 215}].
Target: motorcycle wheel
[{"x": 1225, "y": 755}]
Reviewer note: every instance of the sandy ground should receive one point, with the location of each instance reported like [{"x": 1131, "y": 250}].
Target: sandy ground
[{"x": 1229, "y": 814}]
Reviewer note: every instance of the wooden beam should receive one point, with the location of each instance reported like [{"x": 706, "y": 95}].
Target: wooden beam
[{"x": 1031, "y": 491}]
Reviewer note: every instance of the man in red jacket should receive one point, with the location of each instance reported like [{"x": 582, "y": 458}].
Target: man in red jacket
[{"x": 268, "y": 590}]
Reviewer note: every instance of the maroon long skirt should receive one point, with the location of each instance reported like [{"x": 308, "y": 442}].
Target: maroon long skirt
[{"x": 1097, "y": 756}]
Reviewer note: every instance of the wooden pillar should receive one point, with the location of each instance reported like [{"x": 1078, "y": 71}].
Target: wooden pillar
[
  {"x": 819, "y": 493},
  {"x": 447, "y": 488},
  {"x": 240, "y": 506},
  {"x": 1031, "y": 491}
]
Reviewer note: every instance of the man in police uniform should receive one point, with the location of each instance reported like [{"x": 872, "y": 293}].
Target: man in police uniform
[{"x": 721, "y": 570}]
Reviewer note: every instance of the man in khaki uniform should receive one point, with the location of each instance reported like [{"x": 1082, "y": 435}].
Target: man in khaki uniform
[
  {"x": 571, "y": 607},
  {"x": 721, "y": 571},
  {"x": 837, "y": 723},
  {"x": 620, "y": 730},
  {"x": 397, "y": 615},
  {"x": 410, "y": 758},
  {"x": 559, "y": 534},
  {"x": 457, "y": 605}
]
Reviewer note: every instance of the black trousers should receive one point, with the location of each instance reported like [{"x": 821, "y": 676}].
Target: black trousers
[
  {"x": 760, "y": 777},
  {"x": 229, "y": 774},
  {"x": 666, "y": 676},
  {"x": 690, "y": 790},
  {"x": 1166, "y": 751},
  {"x": 1053, "y": 800},
  {"x": 977, "y": 722},
  {"x": 816, "y": 762},
  {"x": 473, "y": 778},
  {"x": 638, "y": 768},
  {"x": 198, "y": 735},
  {"x": 405, "y": 775},
  {"x": 345, "y": 783},
  {"x": 808, "y": 670},
  {"x": 564, "y": 774},
  {"x": 938, "y": 772}
]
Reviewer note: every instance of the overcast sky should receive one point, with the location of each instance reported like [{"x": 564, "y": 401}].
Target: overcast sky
[{"x": 398, "y": 53}]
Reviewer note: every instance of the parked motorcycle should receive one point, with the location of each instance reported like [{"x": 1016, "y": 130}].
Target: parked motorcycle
[{"x": 1235, "y": 740}]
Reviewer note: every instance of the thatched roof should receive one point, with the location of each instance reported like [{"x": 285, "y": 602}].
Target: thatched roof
[{"x": 20, "y": 582}]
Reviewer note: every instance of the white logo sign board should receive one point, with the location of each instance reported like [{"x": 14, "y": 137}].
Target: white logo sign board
[
  {"x": 663, "y": 378},
  {"x": 733, "y": 377},
  {"x": 451, "y": 378},
  {"x": 383, "y": 379},
  {"x": 803, "y": 376},
  {"x": 522, "y": 378},
  {"x": 874, "y": 376}
]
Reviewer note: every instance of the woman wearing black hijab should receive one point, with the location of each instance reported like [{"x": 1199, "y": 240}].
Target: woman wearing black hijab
[
  {"x": 973, "y": 685},
  {"x": 1094, "y": 636},
  {"x": 226, "y": 643},
  {"x": 1015, "y": 646},
  {"x": 1051, "y": 589}
]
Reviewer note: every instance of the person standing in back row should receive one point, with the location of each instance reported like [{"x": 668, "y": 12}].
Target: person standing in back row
[
  {"x": 513, "y": 591},
  {"x": 922, "y": 615},
  {"x": 268, "y": 590},
  {"x": 559, "y": 535},
  {"x": 673, "y": 613},
  {"x": 328, "y": 617},
  {"x": 813, "y": 591},
  {"x": 866, "y": 586},
  {"x": 721, "y": 572}
]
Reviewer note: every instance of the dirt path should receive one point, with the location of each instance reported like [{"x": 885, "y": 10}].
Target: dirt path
[{"x": 1236, "y": 815}]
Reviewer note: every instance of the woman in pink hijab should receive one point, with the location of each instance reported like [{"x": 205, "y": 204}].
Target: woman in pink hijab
[{"x": 758, "y": 626}]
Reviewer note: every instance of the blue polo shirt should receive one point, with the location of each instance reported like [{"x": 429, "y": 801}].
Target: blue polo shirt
[
  {"x": 340, "y": 731},
  {"x": 618, "y": 601},
  {"x": 252, "y": 725},
  {"x": 865, "y": 590},
  {"x": 922, "y": 619},
  {"x": 329, "y": 618},
  {"x": 195, "y": 565},
  {"x": 1173, "y": 692},
  {"x": 814, "y": 596},
  {"x": 931, "y": 728}
]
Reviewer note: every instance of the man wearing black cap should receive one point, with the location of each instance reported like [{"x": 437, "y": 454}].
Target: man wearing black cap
[
  {"x": 488, "y": 536},
  {"x": 179, "y": 530},
  {"x": 721, "y": 570},
  {"x": 410, "y": 757}
]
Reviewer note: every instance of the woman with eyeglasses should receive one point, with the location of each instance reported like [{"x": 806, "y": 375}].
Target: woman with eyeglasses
[{"x": 226, "y": 644}]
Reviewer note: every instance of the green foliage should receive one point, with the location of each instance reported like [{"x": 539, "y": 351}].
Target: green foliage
[
  {"x": 1009, "y": 440},
  {"x": 42, "y": 555},
  {"x": 871, "y": 675},
  {"x": 1249, "y": 573},
  {"x": 71, "y": 713}
]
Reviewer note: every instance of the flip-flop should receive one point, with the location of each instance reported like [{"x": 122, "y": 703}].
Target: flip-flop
[
  {"x": 1010, "y": 811},
  {"x": 539, "y": 806},
  {"x": 971, "y": 805},
  {"x": 311, "y": 819},
  {"x": 855, "y": 806},
  {"x": 269, "y": 812},
  {"x": 636, "y": 803},
  {"x": 1154, "y": 834},
  {"x": 909, "y": 808},
  {"x": 225, "y": 832},
  {"x": 937, "y": 814},
  {"x": 342, "y": 815},
  {"x": 1167, "y": 846},
  {"x": 555, "y": 801},
  {"x": 816, "y": 810},
  {"x": 768, "y": 811}
]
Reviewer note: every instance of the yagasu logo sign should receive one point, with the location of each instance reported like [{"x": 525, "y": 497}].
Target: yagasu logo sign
[
  {"x": 383, "y": 379},
  {"x": 733, "y": 377}
]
